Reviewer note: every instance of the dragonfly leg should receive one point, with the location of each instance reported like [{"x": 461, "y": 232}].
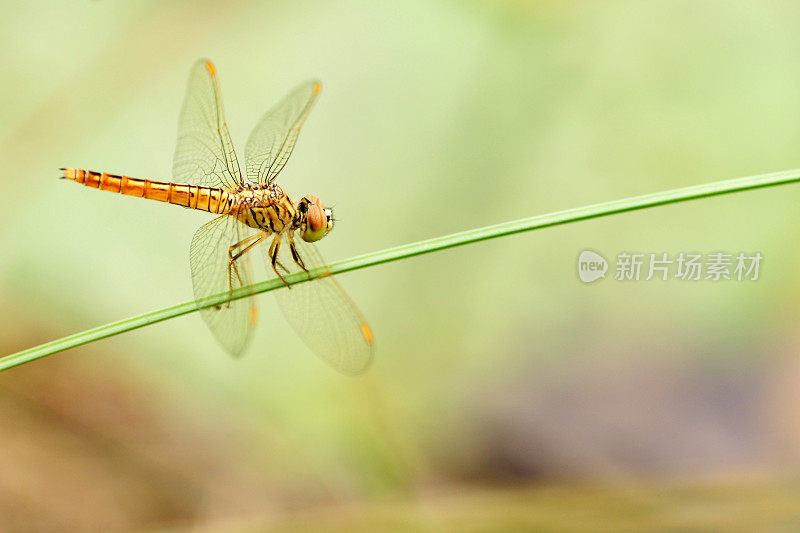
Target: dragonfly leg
[
  {"x": 279, "y": 263},
  {"x": 295, "y": 255},
  {"x": 273, "y": 254},
  {"x": 232, "y": 269},
  {"x": 243, "y": 242},
  {"x": 270, "y": 254}
]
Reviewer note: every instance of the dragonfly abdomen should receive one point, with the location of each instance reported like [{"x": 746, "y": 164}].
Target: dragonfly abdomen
[{"x": 208, "y": 199}]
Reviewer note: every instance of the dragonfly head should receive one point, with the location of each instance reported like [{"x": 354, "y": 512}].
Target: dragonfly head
[{"x": 315, "y": 220}]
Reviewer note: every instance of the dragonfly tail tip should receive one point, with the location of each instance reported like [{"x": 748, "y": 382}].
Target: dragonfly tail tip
[{"x": 69, "y": 173}]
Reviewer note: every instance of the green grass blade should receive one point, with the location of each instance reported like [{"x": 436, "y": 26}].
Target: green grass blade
[{"x": 413, "y": 249}]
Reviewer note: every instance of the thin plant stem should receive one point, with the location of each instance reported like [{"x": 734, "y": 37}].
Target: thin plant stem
[{"x": 410, "y": 250}]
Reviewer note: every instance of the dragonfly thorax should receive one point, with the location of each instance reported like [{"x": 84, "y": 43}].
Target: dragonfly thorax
[
  {"x": 257, "y": 194},
  {"x": 265, "y": 208}
]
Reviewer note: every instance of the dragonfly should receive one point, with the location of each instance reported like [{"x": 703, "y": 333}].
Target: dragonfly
[{"x": 252, "y": 212}]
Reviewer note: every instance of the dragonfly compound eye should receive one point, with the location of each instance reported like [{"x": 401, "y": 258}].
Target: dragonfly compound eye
[{"x": 316, "y": 223}]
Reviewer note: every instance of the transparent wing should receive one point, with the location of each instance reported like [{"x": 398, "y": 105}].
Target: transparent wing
[
  {"x": 233, "y": 322},
  {"x": 204, "y": 154},
  {"x": 273, "y": 139},
  {"x": 322, "y": 314}
]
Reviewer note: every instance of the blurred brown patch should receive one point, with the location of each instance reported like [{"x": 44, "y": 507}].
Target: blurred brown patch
[{"x": 85, "y": 445}]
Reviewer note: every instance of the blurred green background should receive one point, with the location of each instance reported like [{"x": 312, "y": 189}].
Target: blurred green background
[{"x": 505, "y": 392}]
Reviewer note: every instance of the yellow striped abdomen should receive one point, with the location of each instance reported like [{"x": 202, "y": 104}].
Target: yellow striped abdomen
[{"x": 208, "y": 199}]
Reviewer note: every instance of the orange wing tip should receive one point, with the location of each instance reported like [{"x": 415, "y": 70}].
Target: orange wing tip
[
  {"x": 253, "y": 318},
  {"x": 317, "y": 87},
  {"x": 367, "y": 332},
  {"x": 210, "y": 68}
]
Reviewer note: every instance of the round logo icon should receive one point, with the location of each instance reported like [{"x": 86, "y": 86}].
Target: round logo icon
[{"x": 591, "y": 266}]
